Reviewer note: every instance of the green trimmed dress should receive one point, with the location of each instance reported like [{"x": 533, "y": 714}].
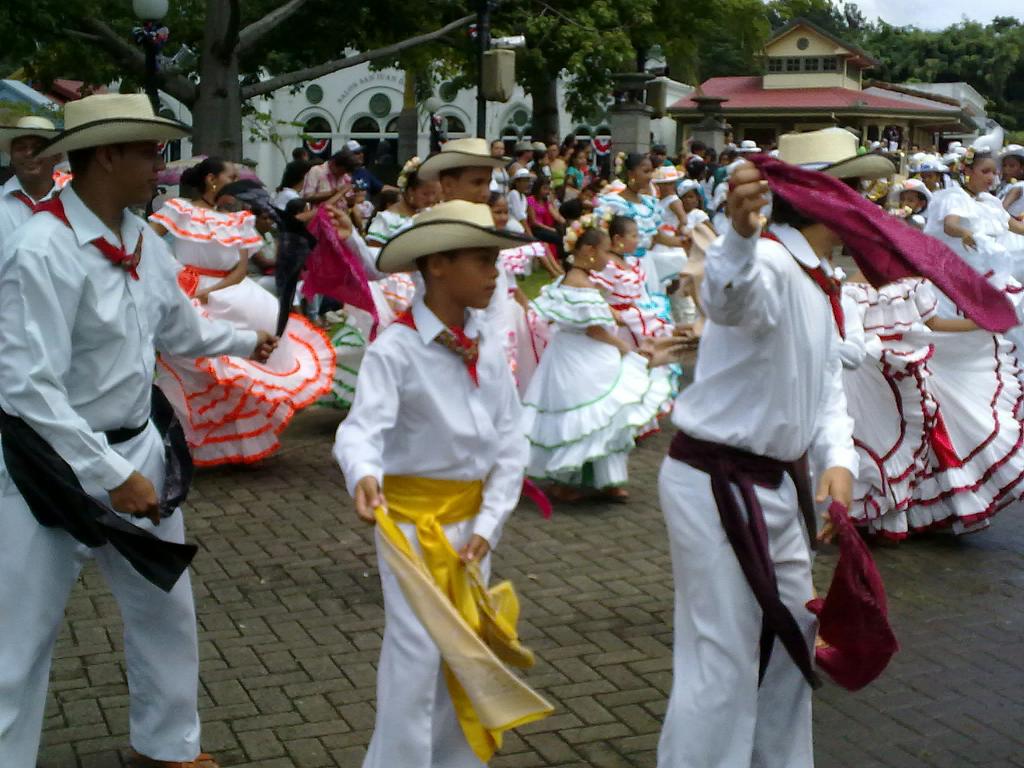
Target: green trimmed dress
[{"x": 586, "y": 403}]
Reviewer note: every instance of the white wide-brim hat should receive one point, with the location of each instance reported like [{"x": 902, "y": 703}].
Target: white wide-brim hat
[
  {"x": 26, "y": 126},
  {"x": 459, "y": 153},
  {"x": 748, "y": 146},
  {"x": 1011, "y": 150},
  {"x": 915, "y": 185},
  {"x": 930, "y": 164},
  {"x": 833, "y": 151},
  {"x": 450, "y": 226},
  {"x": 112, "y": 118},
  {"x": 666, "y": 174},
  {"x": 688, "y": 185}
]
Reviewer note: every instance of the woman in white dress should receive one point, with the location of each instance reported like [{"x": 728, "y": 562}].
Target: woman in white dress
[
  {"x": 591, "y": 395},
  {"x": 940, "y": 439},
  {"x": 974, "y": 223},
  {"x": 1011, "y": 172},
  {"x": 232, "y": 409}
]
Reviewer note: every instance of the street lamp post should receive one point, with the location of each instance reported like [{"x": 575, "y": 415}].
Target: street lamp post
[
  {"x": 483, "y": 39},
  {"x": 151, "y": 36}
]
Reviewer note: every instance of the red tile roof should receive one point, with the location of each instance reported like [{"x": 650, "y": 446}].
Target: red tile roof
[{"x": 747, "y": 93}]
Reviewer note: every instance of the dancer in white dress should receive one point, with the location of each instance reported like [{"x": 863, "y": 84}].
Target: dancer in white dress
[
  {"x": 523, "y": 332},
  {"x": 952, "y": 453},
  {"x": 1011, "y": 172},
  {"x": 592, "y": 394},
  {"x": 232, "y": 409}
]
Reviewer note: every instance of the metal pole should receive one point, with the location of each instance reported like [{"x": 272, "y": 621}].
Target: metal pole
[
  {"x": 151, "y": 84},
  {"x": 483, "y": 34}
]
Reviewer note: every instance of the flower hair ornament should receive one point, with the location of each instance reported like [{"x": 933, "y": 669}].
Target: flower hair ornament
[
  {"x": 619, "y": 164},
  {"x": 578, "y": 226},
  {"x": 410, "y": 167}
]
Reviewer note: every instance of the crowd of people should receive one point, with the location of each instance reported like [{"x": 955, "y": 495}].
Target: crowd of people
[{"x": 897, "y": 388}]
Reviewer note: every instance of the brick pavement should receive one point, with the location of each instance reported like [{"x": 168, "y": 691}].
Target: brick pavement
[{"x": 290, "y": 620}]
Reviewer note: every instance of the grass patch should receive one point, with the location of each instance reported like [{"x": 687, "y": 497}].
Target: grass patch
[{"x": 531, "y": 284}]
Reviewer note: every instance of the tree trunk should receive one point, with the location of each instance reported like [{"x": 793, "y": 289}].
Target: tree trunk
[
  {"x": 545, "y": 110},
  {"x": 217, "y": 113},
  {"x": 408, "y": 121}
]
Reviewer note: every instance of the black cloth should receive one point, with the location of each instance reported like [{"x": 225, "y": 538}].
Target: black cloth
[
  {"x": 728, "y": 466},
  {"x": 56, "y": 498}
]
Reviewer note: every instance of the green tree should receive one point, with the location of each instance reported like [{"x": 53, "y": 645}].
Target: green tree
[{"x": 246, "y": 49}]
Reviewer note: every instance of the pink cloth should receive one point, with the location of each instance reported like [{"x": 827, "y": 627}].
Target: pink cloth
[
  {"x": 334, "y": 270},
  {"x": 853, "y": 617},
  {"x": 883, "y": 246}
]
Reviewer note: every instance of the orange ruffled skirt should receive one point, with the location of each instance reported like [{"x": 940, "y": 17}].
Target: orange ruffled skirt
[{"x": 233, "y": 409}]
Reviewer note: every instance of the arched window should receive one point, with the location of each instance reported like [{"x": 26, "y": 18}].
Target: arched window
[
  {"x": 365, "y": 124},
  {"x": 455, "y": 125},
  {"x": 317, "y": 124}
]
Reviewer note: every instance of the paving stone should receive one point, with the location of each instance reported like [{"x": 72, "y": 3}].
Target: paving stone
[{"x": 290, "y": 622}]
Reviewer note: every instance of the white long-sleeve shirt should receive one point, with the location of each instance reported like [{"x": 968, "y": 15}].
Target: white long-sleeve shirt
[
  {"x": 77, "y": 334},
  {"x": 417, "y": 412},
  {"x": 14, "y": 212},
  {"x": 768, "y": 377}
]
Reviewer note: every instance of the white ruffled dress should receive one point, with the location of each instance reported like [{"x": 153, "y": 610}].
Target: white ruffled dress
[
  {"x": 233, "y": 409},
  {"x": 586, "y": 402},
  {"x": 965, "y": 388}
]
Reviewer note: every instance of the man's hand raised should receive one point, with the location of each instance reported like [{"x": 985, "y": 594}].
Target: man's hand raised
[{"x": 748, "y": 194}]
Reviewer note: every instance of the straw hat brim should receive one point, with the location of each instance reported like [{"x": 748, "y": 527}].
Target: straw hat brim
[
  {"x": 862, "y": 166},
  {"x": 116, "y": 130},
  {"x": 8, "y": 135},
  {"x": 402, "y": 251},
  {"x": 432, "y": 167}
]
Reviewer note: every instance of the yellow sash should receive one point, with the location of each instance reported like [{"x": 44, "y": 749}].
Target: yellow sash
[{"x": 491, "y": 614}]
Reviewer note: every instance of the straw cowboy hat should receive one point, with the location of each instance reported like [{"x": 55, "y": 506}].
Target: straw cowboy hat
[
  {"x": 459, "y": 153},
  {"x": 449, "y": 226},
  {"x": 112, "y": 118},
  {"x": 832, "y": 151},
  {"x": 26, "y": 126}
]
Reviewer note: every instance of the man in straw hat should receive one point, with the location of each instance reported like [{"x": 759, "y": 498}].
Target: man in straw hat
[
  {"x": 89, "y": 290},
  {"x": 32, "y": 181},
  {"x": 464, "y": 167},
  {"x": 768, "y": 391},
  {"x": 434, "y": 438}
]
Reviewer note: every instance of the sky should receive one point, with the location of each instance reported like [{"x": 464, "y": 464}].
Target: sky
[{"x": 937, "y": 14}]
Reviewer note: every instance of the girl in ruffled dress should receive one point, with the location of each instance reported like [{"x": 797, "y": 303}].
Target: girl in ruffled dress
[
  {"x": 592, "y": 394},
  {"x": 624, "y": 283},
  {"x": 940, "y": 440},
  {"x": 233, "y": 409},
  {"x": 524, "y": 334}
]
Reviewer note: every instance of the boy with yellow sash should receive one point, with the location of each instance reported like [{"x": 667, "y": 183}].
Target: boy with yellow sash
[{"x": 433, "y": 451}]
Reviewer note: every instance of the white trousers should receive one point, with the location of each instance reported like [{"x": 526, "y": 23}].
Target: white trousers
[
  {"x": 38, "y": 568},
  {"x": 717, "y": 715},
  {"x": 416, "y": 726}
]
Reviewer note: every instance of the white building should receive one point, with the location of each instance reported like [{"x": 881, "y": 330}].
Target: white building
[{"x": 364, "y": 104}]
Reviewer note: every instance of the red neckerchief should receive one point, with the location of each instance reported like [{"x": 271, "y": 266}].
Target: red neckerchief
[
  {"x": 454, "y": 340},
  {"x": 829, "y": 286},
  {"x": 129, "y": 262},
  {"x": 19, "y": 195}
]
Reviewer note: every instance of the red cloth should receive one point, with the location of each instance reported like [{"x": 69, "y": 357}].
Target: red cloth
[
  {"x": 19, "y": 195},
  {"x": 334, "y": 270},
  {"x": 853, "y": 617},
  {"x": 453, "y": 339},
  {"x": 129, "y": 262},
  {"x": 883, "y": 246}
]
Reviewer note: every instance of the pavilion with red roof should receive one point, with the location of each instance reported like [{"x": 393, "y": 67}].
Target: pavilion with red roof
[{"x": 814, "y": 80}]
